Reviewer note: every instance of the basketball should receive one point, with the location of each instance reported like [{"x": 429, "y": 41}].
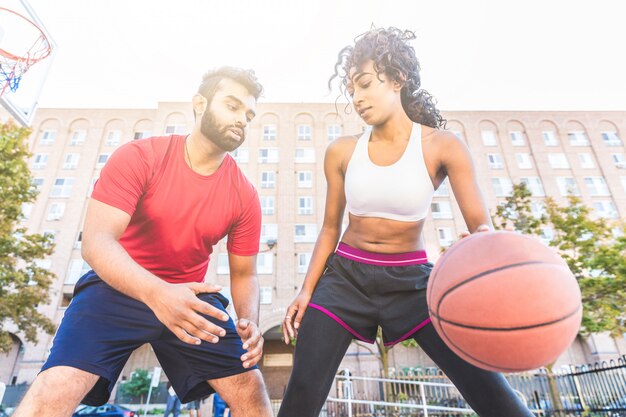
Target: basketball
[{"x": 504, "y": 301}]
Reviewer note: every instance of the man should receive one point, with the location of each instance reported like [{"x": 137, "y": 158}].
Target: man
[{"x": 155, "y": 213}]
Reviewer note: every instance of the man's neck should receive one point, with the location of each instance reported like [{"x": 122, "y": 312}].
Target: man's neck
[{"x": 202, "y": 155}]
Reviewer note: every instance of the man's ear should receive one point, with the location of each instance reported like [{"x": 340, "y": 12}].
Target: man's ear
[{"x": 199, "y": 104}]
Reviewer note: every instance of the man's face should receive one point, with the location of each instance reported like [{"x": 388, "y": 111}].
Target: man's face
[{"x": 226, "y": 119}]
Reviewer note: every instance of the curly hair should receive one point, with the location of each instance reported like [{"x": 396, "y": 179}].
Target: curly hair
[{"x": 392, "y": 55}]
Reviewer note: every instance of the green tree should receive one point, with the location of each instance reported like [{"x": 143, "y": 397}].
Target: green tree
[
  {"x": 23, "y": 284},
  {"x": 138, "y": 384}
]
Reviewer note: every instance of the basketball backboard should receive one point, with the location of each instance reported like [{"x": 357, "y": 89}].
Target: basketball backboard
[{"x": 16, "y": 35}]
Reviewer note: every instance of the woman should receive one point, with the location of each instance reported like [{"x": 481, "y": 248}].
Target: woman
[{"x": 377, "y": 275}]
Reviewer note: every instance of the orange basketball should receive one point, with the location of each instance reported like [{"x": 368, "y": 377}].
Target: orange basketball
[{"x": 504, "y": 301}]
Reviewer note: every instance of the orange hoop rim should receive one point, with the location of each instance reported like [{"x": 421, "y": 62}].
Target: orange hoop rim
[{"x": 30, "y": 60}]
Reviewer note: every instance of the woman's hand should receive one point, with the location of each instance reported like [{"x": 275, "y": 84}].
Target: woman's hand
[{"x": 294, "y": 315}]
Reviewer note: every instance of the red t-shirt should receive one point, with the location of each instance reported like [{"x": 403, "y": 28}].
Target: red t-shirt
[{"x": 177, "y": 215}]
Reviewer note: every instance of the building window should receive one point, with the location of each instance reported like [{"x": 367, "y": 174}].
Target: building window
[
  {"x": 268, "y": 205},
  {"x": 611, "y": 139},
  {"x": 502, "y": 187},
  {"x": 264, "y": 263},
  {"x": 495, "y": 161},
  {"x": 304, "y": 132},
  {"x": 142, "y": 134},
  {"x": 622, "y": 179},
  {"x": 268, "y": 155},
  {"x": 517, "y": 138},
  {"x": 605, "y": 209},
  {"x": 458, "y": 134},
  {"x": 445, "y": 236},
  {"x": 175, "y": 129},
  {"x": 549, "y": 138},
  {"x": 546, "y": 235},
  {"x": 48, "y": 137},
  {"x": 268, "y": 179},
  {"x": 37, "y": 183},
  {"x": 102, "y": 159},
  {"x": 79, "y": 240},
  {"x": 71, "y": 161},
  {"x": 305, "y": 155},
  {"x": 441, "y": 210},
  {"x": 534, "y": 185},
  {"x": 113, "y": 138},
  {"x": 537, "y": 209},
  {"x": 305, "y": 205},
  {"x": 303, "y": 262},
  {"x": 77, "y": 269},
  {"x": 55, "y": 211},
  {"x": 40, "y": 161},
  {"x": 489, "y": 137},
  {"x": 333, "y": 132},
  {"x": 269, "y": 231},
  {"x": 596, "y": 186},
  {"x": 62, "y": 187},
  {"x": 586, "y": 161},
  {"x": 305, "y": 233},
  {"x": 241, "y": 155},
  {"x": 305, "y": 179},
  {"x": 523, "y": 161},
  {"x": 78, "y": 137},
  {"x": 269, "y": 132},
  {"x": 567, "y": 186},
  {"x": 27, "y": 210},
  {"x": 265, "y": 295},
  {"x": 443, "y": 190},
  {"x": 578, "y": 138},
  {"x": 558, "y": 160},
  {"x": 223, "y": 267},
  {"x": 619, "y": 160}
]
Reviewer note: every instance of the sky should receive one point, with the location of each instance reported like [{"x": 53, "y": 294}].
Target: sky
[{"x": 474, "y": 55}]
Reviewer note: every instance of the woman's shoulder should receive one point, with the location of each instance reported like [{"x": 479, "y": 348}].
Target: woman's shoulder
[{"x": 343, "y": 144}]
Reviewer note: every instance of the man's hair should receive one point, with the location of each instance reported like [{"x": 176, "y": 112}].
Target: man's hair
[{"x": 211, "y": 81}]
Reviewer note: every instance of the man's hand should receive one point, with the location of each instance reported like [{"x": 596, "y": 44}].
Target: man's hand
[
  {"x": 177, "y": 307},
  {"x": 252, "y": 342}
]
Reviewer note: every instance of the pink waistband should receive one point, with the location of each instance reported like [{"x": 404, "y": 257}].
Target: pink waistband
[{"x": 382, "y": 259}]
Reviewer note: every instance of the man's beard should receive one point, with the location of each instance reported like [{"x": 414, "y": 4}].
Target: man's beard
[{"x": 219, "y": 135}]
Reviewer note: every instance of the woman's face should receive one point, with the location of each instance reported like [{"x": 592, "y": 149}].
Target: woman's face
[{"x": 374, "y": 96}]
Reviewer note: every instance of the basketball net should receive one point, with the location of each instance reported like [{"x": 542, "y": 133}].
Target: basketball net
[{"x": 22, "y": 44}]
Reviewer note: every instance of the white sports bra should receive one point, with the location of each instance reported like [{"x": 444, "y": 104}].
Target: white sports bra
[{"x": 402, "y": 191}]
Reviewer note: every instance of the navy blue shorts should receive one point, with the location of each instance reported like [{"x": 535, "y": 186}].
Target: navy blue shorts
[{"x": 102, "y": 327}]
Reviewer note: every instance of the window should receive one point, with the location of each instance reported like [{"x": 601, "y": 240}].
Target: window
[
  {"x": 502, "y": 187},
  {"x": 578, "y": 138},
  {"x": 71, "y": 161},
  {"x": 92, "y": 183},
  {"x": 547, "y": 234},
  {"x": 305, "y": 155},
  {"x": 611, "y": 139},
  {"x": 304, "y": 132},
  {"x": 142, "y": 134},
  {"x": 441, "y": 210},
  {"x": 264, "y": 263},
  {"x": 489, "y": 137},
  {"x": 586, "y": 161},
  {"x": 27, "y": 210},
  {"x": 305, "y": 179},
  {"x": 268, "y": 179},
  {"x": 558, "y": 160},
  {"x": 443, "y": 190},
  {"x": 102, "y": 159},
  {"x": 549, "y": 138},
  {"x": 55, "y": 211},
  {"x": 333, "y": 132},
  {"x": 77, "y": 269},
  {"x": 523, "y": 161},
  {"x": 305, "y": 233},
  {"x": 537, "y": 209},
  {"x": 445, "y": 236},
  {"x": 567, "y": 185},
  {"x": 62, "y": 187},
  {"x": 268, "y": 155},
  {"x": 269, "y": 132},
  {"x": 40, "y": 161},
  {"x": 303, "y": 262},
  {"x": 495, "y": 161},
  {"x": 48, "y": 137},
  {"x": 113, "y": 138},
  {"x": 269, "y": 231},
  {"x": 265, "y": 295},
  {"x": 458, "y": 134},
  {"x": 517, "y": 138},
  {"x": 619, "y": 160},
  {"x": 268, "y": 204},
  {"x": 223, "y": 267},
  {"x": 241, "y": 155},
  {"x": 534, "y": 185},
  {"x": 596, "y": 186},
  {"x": 305, "y": 205},
  {"x": 78, "y": 137},
  {"x": 605, "y": 209},
  {"x": 79, "y": 240},
  {"x": 37, "y": 183},
  {"x": 175, "y": 129}
]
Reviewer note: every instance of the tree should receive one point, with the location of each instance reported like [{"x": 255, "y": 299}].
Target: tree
[
  {"x": 138, "y": 384},
  {"x": 23, "y": 284}
]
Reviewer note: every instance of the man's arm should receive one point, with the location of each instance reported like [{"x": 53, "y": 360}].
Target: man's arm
[
  {"x": 244, "y": 288},
  {"x": 176, "y": 306}
]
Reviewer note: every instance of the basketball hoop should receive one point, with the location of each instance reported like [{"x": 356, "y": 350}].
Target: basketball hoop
[{"x": 28, "y": 44}]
